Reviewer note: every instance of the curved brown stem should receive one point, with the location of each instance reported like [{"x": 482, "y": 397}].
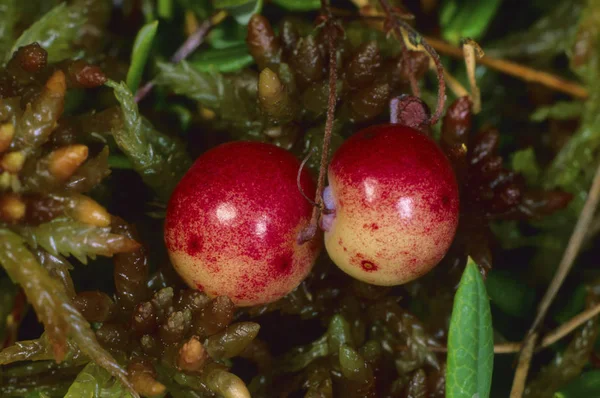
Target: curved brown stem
[
  {"x": 298, "y": 178},
  {"x": 397, "y": 26},
  {"x": 332, "y": 30}
]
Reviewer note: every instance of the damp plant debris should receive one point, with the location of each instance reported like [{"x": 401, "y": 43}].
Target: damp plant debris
[{"x": 284, "y": 198}]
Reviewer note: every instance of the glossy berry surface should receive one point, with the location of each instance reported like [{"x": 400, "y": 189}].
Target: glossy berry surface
[
  {"x": 233, "y": 220},
  {"x": 395, "y": 205}
]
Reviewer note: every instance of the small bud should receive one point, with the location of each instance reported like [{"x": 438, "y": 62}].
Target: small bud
[
  {"x": 7, "y": 132},
  {"x": 369, "y": 101},
  {"x": 12, "y": 208},
  {"x": 88, "y": 211},
  {"x": 191, "y": 24},
  {"x": 12, "y": 162},
  {"x": 362, "y": 70},
  {"x": 63, "y": 162},
  {"x": 307, "y": 61},
  {"x": 273, "y": 96},
  {"x": 143, "y": 378},
  {"x": 57, "y": 83},
  {"x": 262, "y": 42},
  {"x": 206, "y": 113},
  {"x": 192, "y": 355},
  {"x": 32, "y": 58}
]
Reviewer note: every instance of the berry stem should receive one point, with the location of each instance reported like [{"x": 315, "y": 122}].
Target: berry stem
[
  {"x": 398, "y": 26},
  {"x": 331, "y": 29}
]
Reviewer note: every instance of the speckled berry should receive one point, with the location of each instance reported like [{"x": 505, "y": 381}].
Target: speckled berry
[
  {"x": 233, "y": 220},
  {"x": 394, "y": 202}
]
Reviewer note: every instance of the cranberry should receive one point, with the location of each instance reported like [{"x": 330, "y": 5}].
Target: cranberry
[
  {"x": 233, "y": 220},
  {"x": 394, "y": 205}
]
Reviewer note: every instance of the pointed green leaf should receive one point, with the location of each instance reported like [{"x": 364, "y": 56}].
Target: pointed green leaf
[
  {"x": 139, "y": 54},
  {"x": 55, "y": 31},
  {"x": 470, "y": 339},
  {"x": 295, "y": 5},
  {"x": 241, "y": 10},
  {"x": 225, "y": 60},
  {"x": 586, "y": 385}
]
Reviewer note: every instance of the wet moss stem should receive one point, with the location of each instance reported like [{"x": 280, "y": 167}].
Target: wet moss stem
[{"x": 332, "y": 29}]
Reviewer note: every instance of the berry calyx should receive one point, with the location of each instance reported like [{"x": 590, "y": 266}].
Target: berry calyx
[
  {"x": 233, "y": 220},
  {"x": 394, "y": 205}
]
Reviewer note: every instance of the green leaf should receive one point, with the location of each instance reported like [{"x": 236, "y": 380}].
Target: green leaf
[
  {"x": 573, "y": 305},
  {"x": 299, "y": 5},
  {"x": 466, "y": 18},
  {"x": 230, "y": 59},
  {"x": 241, "y": 10},
  {"x": 523, "y": 162},
  {"x": 140, "y": 53},
  {"x": 52, "y": 305},
  {"x": 353, "y": 364},
  {"x": 549, "y": 36},
  {"x": 301, "y": 357},
  {"x": 232, "y": 341},
  {"x": 119, "y": 162},
  {"x": 233, "y": 97},
  {"x": 93, "y": 381},
  {"x": 56, "y": 31},
  {"x": 339, "y": 333},
  {"x": 10, "y": 15},
  {"x": 165, "y": 9},
  {"x": 161, "y": 160},
  {"x": 227, "y": 34},
  {"x": 470, "y": 339},
  {"x": 202, "y": 8},
  {"x": 586, "y": 385},
  {"x": 562, "y": 110},
  {"x": 64, "y": 236},
  {"x": 510, "y": 294}
]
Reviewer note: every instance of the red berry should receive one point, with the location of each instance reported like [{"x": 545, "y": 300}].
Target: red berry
[
  {"x": 395, "y": 202},
  {"x": 232, "y": 223}
]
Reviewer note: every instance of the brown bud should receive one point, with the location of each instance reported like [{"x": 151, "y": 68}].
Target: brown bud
[
  {"x": 89, "y": 211},
  {"x": 83, "y": 75},
  {"x": 484, "y": 145},
  {"x": 370, "y": 101},
  {"x": 457, "y": 123},
  {"x": 12, "y": 162},
  {"x": 307, "y": 61},
  {"x": 273, "y": 97},
  {"x": 289, "y": 36},
  {"x": 192, "y": 355},
  {"x": 262, "y": 42},
  {"x": 32, "y": 58},
  {"x": 12, "y": 208},
  {"x": 7, "y": 132},
  {"x": 417, "y": 63},
  {"x": 95, "y": 306},
  {"x": 42, "y": 208},
  {"x": 362, "y": 70},
  {"x": 143, "y": 378},
  {"x": 63, "y": 162}
]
